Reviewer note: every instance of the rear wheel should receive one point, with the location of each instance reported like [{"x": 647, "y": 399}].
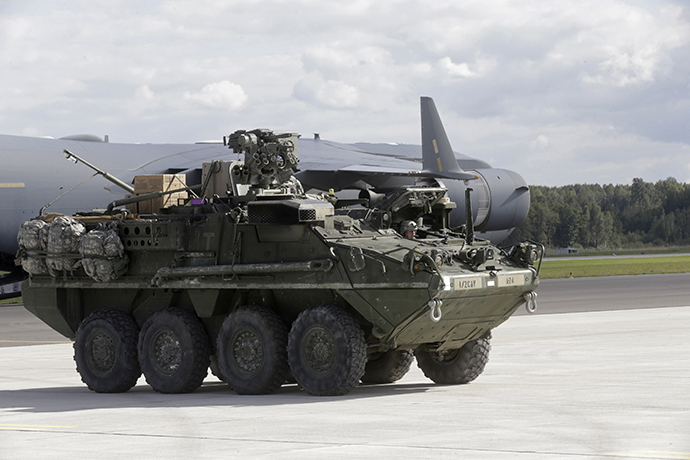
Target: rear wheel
[
  {"x": 387, "y": 367},
  {"x": 174, "y": 351},
  {"x": 252, "y": 350},
  {"x": 456, "y": 366},
  {"x": 105, "y": 350},
  {"x": 327, "y": 351}
]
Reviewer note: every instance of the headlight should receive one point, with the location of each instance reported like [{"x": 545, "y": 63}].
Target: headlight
[{"x": 533, "y": 255}]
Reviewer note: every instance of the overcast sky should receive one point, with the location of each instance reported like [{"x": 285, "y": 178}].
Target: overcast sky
[{"x": 562, "y": 92}]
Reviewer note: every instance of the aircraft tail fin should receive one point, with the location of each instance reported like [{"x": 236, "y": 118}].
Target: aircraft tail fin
[{"x": 438, "y": 156}]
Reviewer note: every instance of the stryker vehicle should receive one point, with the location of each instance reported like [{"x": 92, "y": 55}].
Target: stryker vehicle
[{"x": 263, "y": 283}]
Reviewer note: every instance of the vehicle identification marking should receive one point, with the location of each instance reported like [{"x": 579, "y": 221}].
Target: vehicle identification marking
[
  {"x": 208, "y": 237},
  {"x": 467, "y": 283},
  {"x": 11, "y": 184},
  {"x": 517, "y": 279}
]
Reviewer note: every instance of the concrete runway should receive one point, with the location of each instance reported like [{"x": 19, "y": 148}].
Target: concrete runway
[{"x": 611, "y": 383}]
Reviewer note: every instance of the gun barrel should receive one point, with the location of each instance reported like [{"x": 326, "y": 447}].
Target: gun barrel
[{"x": 147, "y": 196}]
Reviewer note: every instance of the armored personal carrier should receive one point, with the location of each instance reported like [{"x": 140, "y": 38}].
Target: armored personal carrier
[{"x": 263, "y": 283}]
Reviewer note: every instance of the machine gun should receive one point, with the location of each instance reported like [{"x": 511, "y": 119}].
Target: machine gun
[{"x": 270, "y": 159}]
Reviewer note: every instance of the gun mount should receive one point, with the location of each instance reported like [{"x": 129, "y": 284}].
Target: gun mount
[{"x": 270, "y": 159}]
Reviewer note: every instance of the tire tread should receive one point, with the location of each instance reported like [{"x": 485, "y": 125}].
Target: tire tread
[
  {"x": 129, "y": 369},
  {"x": 464, "y": 368}
]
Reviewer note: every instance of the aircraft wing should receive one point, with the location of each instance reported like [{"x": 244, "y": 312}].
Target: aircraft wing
[{"x": 35, "y": 173}]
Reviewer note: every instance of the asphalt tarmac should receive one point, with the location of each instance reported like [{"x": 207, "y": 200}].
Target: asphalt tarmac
[{"x": 611, "y": 381}]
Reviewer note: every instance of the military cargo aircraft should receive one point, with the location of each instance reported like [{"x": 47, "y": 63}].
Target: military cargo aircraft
[{"x": 35, "y": 177}]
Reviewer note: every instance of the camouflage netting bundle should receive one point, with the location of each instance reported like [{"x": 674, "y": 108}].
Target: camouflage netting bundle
[
  {"x": 103, "y": 253},
  {"x": 33, "y": 240},
  {"x": 63, "y": 240}
]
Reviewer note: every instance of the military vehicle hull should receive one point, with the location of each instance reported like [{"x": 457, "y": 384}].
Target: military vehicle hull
[
  {"x": 384, "y": 294},
  {"x": 269, "y": 285}
]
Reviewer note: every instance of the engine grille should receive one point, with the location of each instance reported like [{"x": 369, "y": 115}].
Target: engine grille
[{"x": 288, "y": 212}]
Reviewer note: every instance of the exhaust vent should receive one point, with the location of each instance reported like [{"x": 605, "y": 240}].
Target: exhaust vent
[{"x": 288, "y": 212}]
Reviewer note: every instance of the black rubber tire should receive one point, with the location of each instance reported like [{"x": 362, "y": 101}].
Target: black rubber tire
[
  {"x": 105, "y": 350},
  {"x": 252, "y": 350},
  {"x": 174, "y": 351},
  {"x": 327, "y": 351},
  {"x": 454, "y": 367},
  {"x": 387, "y": 367}
]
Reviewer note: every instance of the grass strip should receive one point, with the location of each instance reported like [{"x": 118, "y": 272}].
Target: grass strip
[
  {"x": 12, "y": 301},
  {"x": 614, "y": 267}
]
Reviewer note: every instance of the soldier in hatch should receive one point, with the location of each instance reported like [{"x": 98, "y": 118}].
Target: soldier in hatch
[{"x": 408, "y": 229}]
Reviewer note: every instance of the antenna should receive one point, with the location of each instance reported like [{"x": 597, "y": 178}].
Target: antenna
[{"x": 72, "y": 157}]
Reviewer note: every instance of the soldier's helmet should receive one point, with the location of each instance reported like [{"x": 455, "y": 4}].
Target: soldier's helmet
[{"x": 408, "y": 225}]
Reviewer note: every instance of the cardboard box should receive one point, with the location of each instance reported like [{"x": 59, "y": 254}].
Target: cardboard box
[{"x": 157, "y": 183}]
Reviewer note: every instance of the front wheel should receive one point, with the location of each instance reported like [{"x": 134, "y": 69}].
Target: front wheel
[
  {"x": 105, "y": 350},
  {"x": 327, "y": 351},
  {"x": 457, "y": 366},
  {"x": 174, "y": 351},
  {"x": 387, "y": 367}
]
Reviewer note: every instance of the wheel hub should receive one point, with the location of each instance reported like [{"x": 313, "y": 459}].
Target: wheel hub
[
  {"x": 166, "y": 351},
  {"x": 319, "y": 351},
  {"x": 101, "y": 351},
  {"x": 445, "y": 357},
  {"x": 247, "y": 352}
]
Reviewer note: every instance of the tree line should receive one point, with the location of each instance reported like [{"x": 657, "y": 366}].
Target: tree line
[{"x": 608, "y": 216}]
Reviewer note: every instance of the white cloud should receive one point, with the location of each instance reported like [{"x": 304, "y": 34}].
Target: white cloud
[
  {"x": 540, "y": 143},
  {"x": 623, "y": 45},
  {"x": 478, "y": 69},
  {"x": 327, "y": 93},
  {"x": 144, "y": 92},
  {"x": 456, "y": 70},
  {"x": 516, "y": 82},
  {"x": 337, "y": 94},
  {"x": 220, "y": 95}
]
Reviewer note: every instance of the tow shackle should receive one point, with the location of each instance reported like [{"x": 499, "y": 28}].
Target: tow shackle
[
  {"x": 435, "y": 312},
  {"x": 530, "y": 301}
]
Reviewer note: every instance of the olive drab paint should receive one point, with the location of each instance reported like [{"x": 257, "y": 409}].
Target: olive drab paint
[{"x": 255, "y": 278}]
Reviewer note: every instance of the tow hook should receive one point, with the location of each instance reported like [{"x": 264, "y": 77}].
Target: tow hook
[
  {"x": 435, "y": 312},
  {"x": 531, "y": 302}
]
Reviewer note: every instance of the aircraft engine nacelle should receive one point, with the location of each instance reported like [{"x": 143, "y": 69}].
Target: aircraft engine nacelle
[
  {"x": 500, "y": 200},
  {"x": 373, "y": 197}
]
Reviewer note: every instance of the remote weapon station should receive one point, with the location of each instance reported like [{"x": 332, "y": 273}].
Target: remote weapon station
[{"x": 264, "y": 284}]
